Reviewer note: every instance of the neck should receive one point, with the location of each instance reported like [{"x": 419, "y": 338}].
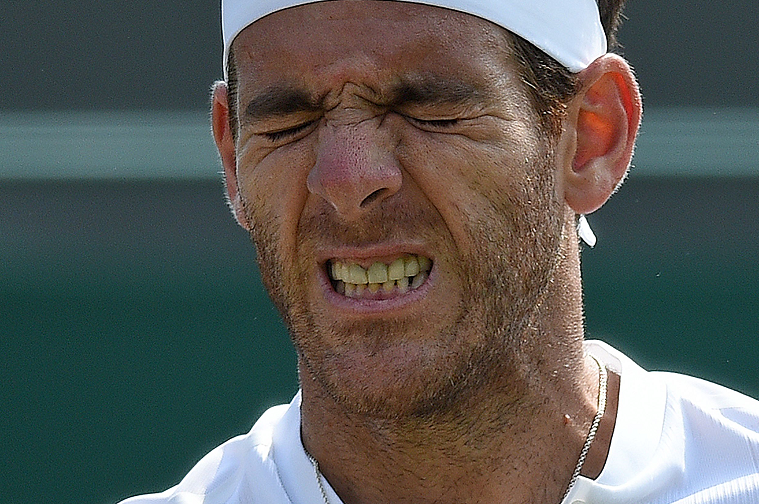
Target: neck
[{"x": 513, "y": 440}]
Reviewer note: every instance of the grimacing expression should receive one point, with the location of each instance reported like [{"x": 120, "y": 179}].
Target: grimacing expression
[{"x": 376, "y": 140}]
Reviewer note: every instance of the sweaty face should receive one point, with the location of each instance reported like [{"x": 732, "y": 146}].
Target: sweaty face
[{"x": 400, "y": 196}]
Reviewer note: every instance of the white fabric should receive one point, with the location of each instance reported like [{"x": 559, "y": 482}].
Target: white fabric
[
  {"x": 584, "y": 231},
  {"x": 677, "y": 440},
  {"x": 568, "y": 30}
]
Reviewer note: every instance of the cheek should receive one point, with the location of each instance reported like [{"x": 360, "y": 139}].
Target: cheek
[
  {"x": 273, "y": 191},
  {"x": 472, "y": 183}
]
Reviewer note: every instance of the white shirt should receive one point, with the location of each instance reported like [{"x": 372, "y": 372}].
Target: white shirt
[{"x": 677, "y": 440}]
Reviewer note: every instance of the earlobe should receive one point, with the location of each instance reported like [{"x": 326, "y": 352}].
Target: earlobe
[
  {"x": 225, "y": 143},
  {"x": 605, "y": 117}
]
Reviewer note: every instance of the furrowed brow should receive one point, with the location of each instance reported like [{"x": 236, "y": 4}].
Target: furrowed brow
[
  {"x": 436, "y": 90},
  {"x": 278, "y": 101}
]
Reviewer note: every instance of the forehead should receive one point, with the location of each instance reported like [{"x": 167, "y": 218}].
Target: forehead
[{"x": 370, "y": 41}]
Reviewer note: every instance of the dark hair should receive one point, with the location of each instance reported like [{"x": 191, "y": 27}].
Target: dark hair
[
  {"x": 232, "y": 91},
  {"x": 550, "y": 84}
]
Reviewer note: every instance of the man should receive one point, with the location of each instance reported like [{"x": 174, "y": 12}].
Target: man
[{"x": 412, "y": 176}]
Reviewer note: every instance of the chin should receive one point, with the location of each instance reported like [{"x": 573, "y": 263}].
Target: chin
[{"x": 388, "y": 378}]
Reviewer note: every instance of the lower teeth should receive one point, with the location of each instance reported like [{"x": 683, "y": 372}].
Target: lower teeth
[
  {"x": 418, "y": 280},
  {"x": 403, "y": 285}
]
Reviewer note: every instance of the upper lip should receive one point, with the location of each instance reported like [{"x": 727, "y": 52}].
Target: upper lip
[{"x": 365, "y": 256}]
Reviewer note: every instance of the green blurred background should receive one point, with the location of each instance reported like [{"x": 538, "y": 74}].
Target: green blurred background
[{"x": 134, "y": 333}]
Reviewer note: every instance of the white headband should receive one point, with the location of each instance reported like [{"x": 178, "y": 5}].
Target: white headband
[{"x": 568, "y": 30}]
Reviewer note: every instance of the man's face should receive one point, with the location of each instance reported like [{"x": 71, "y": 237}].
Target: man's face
[{"x": 374, "y": 134}]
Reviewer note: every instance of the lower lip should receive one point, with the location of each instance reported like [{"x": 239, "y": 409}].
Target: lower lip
[{"x": 362, "y": 306}]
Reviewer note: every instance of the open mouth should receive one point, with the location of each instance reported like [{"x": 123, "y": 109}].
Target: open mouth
[{"x": 380, "y": 280}]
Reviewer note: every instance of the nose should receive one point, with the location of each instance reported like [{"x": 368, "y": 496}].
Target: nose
[{"x": 355, "y": 169}]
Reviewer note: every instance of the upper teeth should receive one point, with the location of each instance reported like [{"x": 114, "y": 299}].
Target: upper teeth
[{"x": 350, "y": 275}]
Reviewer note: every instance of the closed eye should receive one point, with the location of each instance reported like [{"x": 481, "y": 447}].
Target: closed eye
[
  {"x": 275, "y": 136},
  {"x": 435, "y": 123}
]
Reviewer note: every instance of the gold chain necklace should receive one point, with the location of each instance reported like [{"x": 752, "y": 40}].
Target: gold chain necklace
[
  {"x": 602, "y": 382},
  {"x": 319, "y": 477}
]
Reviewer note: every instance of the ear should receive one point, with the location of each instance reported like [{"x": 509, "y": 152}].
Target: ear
[
  {"x": 225, "y": 143},
  {"x": 599, "y": 138}
]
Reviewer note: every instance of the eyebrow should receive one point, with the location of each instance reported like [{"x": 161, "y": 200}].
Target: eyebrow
[
  {"x": 420, "y": 90},
  {"x": 432, "y": 89},
  {"x": 279, "y": 101}
]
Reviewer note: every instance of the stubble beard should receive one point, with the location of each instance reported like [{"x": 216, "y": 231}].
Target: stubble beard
[{"x": 484, "y": 345}]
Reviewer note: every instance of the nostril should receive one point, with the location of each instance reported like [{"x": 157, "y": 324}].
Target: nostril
[{"x": 372, "y": 197}]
